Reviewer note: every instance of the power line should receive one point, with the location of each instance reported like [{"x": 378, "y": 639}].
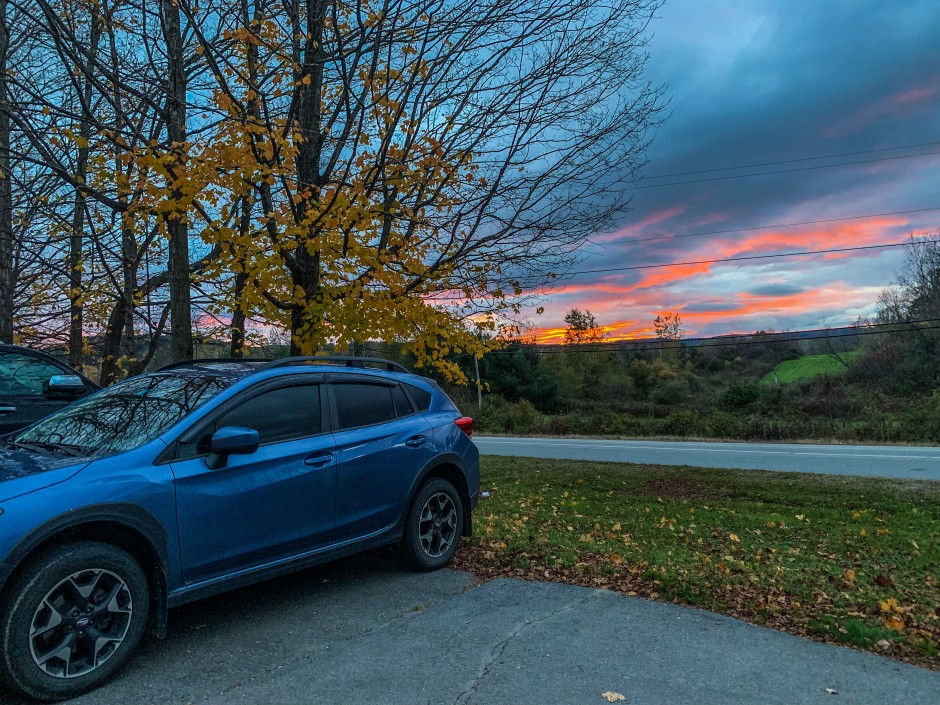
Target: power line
[
  {"x": 641, "y": 345},
  {"x": 637, "y": 267},
  {"x": 739, "y": 259},
  {"x": 778, "y": 225},
  {"x": 793, "y": 161},
  {"x": 785, "y": 171}
]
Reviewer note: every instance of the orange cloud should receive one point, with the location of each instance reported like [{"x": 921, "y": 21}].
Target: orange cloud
[
  {"x": 735, "y": 315},
  {"x": 621, "y": 330},
  {"x": 637, "y": 229},
  {"x": 904, "y": 101}
]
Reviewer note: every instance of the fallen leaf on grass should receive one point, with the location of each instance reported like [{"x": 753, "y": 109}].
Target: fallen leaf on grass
[
  {"x": 895, "y": 624},
  {"x": 849, "y": 576},
  {"x": 891, "y": 605},
  {"x": 734, "y": 537},
  {"x": 612, "y": 697}
]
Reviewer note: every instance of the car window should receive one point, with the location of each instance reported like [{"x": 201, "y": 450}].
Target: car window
[
  {"x": 402, "y": 405},
  {"x": 23, "y": 374},
  {"x": 363, "y": 404},
  {"x": 279, "y": 415},
  {"x": 128, "y": 414},
  {"x": 422, "y": 398}
]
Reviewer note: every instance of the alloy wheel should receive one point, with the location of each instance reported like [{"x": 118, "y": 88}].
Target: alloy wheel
[
  {"x": 437, "y": 527},
  {"x": 80, "y": 623}
]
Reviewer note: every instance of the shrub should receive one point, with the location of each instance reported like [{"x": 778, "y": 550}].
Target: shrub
[
  {"x": 740, "y": 396},
  {"x": 681, "y": 422},
  {"x": 671, "y": 391}
]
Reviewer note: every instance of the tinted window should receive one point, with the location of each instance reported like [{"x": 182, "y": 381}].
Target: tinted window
[
  {"x": 363, "y": 404},
  {"x": 402, "y": 405},
  {"x": 23, "y": 374},
  {"x": 128, "y": 414},
  {"x": 421, "y": 397},
  {"x": 280, "y": 415}
]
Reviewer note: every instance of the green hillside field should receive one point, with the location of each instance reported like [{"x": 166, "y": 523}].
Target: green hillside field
[{"x": 807, "y": 367}]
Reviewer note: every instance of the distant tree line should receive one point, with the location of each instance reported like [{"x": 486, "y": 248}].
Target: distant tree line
[{"x": 881, "y": 384}]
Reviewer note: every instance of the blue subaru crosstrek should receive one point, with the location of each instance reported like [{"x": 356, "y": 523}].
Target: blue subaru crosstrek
[{"x": 205, "y": 476}]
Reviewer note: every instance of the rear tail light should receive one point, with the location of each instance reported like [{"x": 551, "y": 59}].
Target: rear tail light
[{"x": 465, "y": 424}]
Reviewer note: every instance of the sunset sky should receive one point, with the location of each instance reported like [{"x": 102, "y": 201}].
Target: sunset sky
[{"x": 766, "y": 81}]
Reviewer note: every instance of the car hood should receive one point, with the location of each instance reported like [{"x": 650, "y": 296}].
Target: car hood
[{"x": 24, "y": 471}]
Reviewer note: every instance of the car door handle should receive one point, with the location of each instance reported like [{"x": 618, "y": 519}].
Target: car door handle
[
  {"x": 416, "y": 441},
  {"x": 318, "y": 460},
  {"x": 7, "y": 409}
]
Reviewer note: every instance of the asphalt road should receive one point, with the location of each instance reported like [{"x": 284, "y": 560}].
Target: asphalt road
[
  {"x": 907, "y": 462},
  {"x": 367, "y": 631}
]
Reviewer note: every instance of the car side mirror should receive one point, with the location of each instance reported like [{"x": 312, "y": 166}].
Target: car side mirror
[
  {"x": 231, "y": 440},
  {"x": 64, "y": 386}
]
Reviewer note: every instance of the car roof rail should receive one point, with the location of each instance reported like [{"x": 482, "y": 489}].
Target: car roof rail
[
  {"x": 345, "y": 360},
  {"x": 210, "y": 361}
]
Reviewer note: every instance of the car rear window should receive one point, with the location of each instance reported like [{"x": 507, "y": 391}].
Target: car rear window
[
  {"x": 363, "y": 404},
  {"x": 422, "y": 398},
  {"x": 402, "y": 405}
]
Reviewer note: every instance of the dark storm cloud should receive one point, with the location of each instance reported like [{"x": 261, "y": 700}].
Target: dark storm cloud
[
  {"x": 709, "y": 306},
  {"x": 777, "y": 290}
]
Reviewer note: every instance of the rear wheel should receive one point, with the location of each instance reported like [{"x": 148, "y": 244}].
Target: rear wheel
[
  {"x": 72, "y": 619},
  {"x": 433, "y": 526}
]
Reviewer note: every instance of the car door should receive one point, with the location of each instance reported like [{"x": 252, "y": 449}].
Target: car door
[
  {"x": 381, "y": 445},
  {"x": 267, "y": 506},
  {"x": 22, "y": 401}
]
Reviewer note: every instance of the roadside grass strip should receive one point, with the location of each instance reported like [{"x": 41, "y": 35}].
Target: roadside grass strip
[{"x": 846, "y": 560}]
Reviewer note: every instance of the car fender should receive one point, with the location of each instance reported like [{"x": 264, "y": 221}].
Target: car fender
[
  {"x": 450, "y": 458},
  {"x": 68, "y": 526}
]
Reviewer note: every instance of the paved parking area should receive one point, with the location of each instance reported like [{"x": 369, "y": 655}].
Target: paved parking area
[{"x": 365, "y": 630}]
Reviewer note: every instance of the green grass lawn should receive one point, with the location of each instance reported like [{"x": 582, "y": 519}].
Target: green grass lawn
[
  {"x": 849, "y": 560},
  {"x": 807, "y": 367}
]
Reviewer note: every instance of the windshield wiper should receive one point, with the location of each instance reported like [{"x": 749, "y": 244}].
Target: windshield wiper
[{"x": 69, "y": 450}]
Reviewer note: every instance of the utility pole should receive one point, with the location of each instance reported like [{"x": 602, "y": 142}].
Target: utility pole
[{"x": 476, "y": 365}]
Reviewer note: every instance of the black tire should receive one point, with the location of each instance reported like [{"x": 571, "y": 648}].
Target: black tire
[
  {"x": 440, "y": 500},
  {"x": 42, "y": 615}
]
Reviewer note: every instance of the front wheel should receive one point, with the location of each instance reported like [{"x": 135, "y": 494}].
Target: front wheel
[
  {"x": 433, "y": 526},
  {"x": 72, "y": 618}
]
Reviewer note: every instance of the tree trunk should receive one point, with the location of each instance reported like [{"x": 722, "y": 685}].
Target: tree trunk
[
  {"x": 129, "y": 282},
  {"x": 241, "y": 280},
  {"x": 7, "y": 274},
  {"x": 251, "y": 21},
  {"x": 77, "y": 239},
  {"x": 111, "y": 345},
  {"x": 181, "y": 328},
  {"x": 306, "y": 274}
]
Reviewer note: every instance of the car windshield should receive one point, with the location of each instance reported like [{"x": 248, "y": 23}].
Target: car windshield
[{"x": 124, "y": 416}]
